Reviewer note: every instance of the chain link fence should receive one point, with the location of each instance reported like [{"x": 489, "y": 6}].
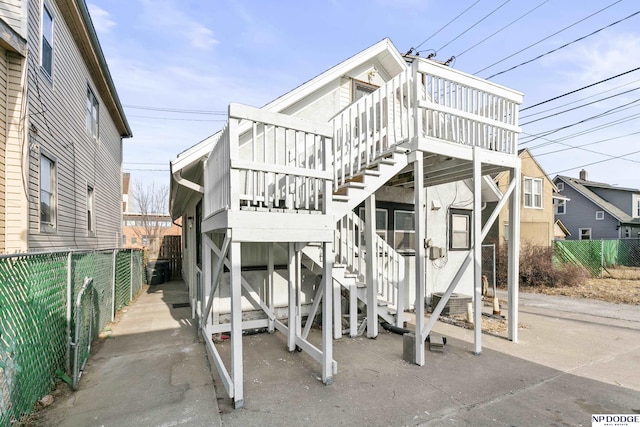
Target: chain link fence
[
  {"x": 598, "y": 256},
  {"x": 44, "y": 299}
]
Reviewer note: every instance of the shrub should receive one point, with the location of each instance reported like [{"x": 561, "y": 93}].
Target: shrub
[{"x": 537, "y": 268}]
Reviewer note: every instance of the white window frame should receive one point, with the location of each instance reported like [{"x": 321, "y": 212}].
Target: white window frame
[
  {"x": 561, "y": 204},
  {"x": 560, "y": 186},
  {"x": 581, "y": 233},
  {"x": 48, "y": 191},
  {"x": 403, "y": 231},
  {"x": 382, "y": 232},
  {"x": 91, "y": 210},
  {"x": 532, "y": 196},
  {"x": 455, "y": 232},
  {"x": 93, "y": 113},
  {"x": 46, "y": 38},
  {"x": 599, "y": 215},
  {"x": 638, "y": 207}
]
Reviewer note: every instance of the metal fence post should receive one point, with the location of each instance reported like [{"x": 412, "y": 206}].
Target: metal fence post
[
  {"x": 113, "y": 286},
  {"x": 69, "y": 308},
  {"x": 131, "y": 275}
]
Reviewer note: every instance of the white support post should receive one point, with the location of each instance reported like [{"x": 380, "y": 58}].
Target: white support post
[
  {"x": 477, "y": 251},
  {"x": 298, "y": 260},
  {"x": 270, "y": 274},
  {"x": 236, "y": 325},
  {"x": 372, "y": 267},
  {"x": 69, "y": 309},
  {"x": 327, "y": 342},
  {"x": 291, "y": 329},
  {"x": 514, "y": 256},
  {"x": 420, "y": 224}
]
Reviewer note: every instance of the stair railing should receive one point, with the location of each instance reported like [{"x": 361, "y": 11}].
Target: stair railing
[{"x": 351, "y": 249}]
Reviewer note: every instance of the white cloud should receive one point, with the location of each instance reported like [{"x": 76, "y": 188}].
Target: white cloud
[
  {"x": 201, "y": 37},
  {"x": 604, "y": 57},
  {"x": 101, "y": 19}
]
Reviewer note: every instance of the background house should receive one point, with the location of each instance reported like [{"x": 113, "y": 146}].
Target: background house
[
  {"x": 595, "y": 210},
  {"x": 537, "y": 222},
  {"x": 61, "y": 136}
]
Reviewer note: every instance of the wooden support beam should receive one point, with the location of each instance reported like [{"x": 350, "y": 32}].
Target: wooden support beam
[
  {"x": 236, "y": 324},
  {"x": 372, "y": 267},
  {"x": 329, "y": 367},
  {"x": 270, "y": 281},
  {"x": 420, "y": 224},
  {"x": 514, "y": 255},
  {"x": 291, "y": 330},
  {"x": 477, "y": 251}
]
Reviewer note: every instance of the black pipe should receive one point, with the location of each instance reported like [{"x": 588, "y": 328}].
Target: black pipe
[{"x": 395, "y": 329}]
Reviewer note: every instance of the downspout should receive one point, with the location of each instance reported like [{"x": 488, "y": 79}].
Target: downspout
[{"x": 186, "y": 183}]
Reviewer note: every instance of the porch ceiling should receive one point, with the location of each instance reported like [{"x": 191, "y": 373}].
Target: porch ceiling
[{"x": 441, "y": 169}]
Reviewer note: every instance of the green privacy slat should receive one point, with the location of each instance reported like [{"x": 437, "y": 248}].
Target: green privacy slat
[{"x": 33, "y": 323}]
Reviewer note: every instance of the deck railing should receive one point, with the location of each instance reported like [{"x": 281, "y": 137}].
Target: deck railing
[
  {"x": 350, "y": 248},
  {"x": 428, "y": 100},
  {"x": 266, "y": 160}
]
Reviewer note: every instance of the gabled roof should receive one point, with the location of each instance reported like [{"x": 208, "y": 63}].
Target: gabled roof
[
  {"x": 521, "y": 154},
  {"x": 581, "y": 187},
  {"x": 384, "y": 52}
]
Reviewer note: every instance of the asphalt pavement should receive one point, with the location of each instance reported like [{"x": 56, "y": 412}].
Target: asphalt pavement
[{"x": 569, "y": 363}]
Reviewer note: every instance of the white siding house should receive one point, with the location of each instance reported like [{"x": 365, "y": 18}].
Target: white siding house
[
  {"x": 61, "y": 143},
  {"x": 352, "y": 190}
]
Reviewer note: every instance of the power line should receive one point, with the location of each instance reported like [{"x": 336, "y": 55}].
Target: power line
[
  {"x": 583, "y": 132},
  {"x": 501, "y": 29},
  {"x": 571, "y": 147},
  {"x": 444, "y": 26},
  {"x": 146, "y": 170},
  {"x": 563, "y": 46},
  {"x": 176, "y": 119},
  {"x": 176, "y": 110},
  {"x": 598, "y": 162},
  {"x": 546, "y": 38},
  {"x": 597, "y": 116},
  {"x": 578, "y": 107},
  {"x": 581, "y": 147},
  {"x": 465, "y": 31},
  {"x": 582, "y": 88},
  {"x": 577, "y": 100}
]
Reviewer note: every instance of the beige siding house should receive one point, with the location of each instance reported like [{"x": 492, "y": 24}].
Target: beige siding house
[
  {"x": 537, "y": 223},
  {"x": 61, "y": 141}
]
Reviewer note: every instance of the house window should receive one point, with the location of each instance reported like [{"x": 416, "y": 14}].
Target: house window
[
  {"x": 460, "y": 229},
  {"x": 381, "y": 221},
  {"x": 360, "y": 89},
  {"x": 627, "y": 233},
  {"x": 585, "y": 233},
  {"x": 560, "y": 186},
  {"x": 561, "y": 207},
  {"x": 505, "y": 230},
  {"x": 92, "y": 113},
  {"x": 91, "y": 220},
  {"x": 638, "y": 208},
  {"x": 599, "y": 215},
  {"x": 532, "y": 192},
  {"x": 46, "y": 59},
  {"x": 404, "y": 231},
  {"x": 134, "y": 240},
  {"x": 47, "y": 194},
  {"x": 124, "y": 239}
]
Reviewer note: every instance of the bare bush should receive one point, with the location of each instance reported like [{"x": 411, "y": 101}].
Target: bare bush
[{"x": 538, "y": 269}]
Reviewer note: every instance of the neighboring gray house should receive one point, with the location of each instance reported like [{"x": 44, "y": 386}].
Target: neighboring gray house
[
  {"x": 595, "y": 210},
  {"x": 60, "y": 132}
]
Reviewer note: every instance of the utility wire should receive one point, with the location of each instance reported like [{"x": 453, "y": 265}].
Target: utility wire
[
  {"x": 597, "y": 116},
  {"x": 583, "y": 132},
  {"x": 177, "y": 119},
  {"x": 598, "y": 162},
  {"x": 465, "y": 31},
  {"x": 444, "y": 26},
  {"x": 501, "y": 29},
  {"x": 577, "y": 100},
  {"x": 563, "y": 46},
  {"x": 546, "y": 38},
  {"x": 581, "y": 147},
  {"x": 582, "y": 88},
  {"x": 177, "y": 110},
  {"x": 571, "y": 147},
  {"x": 579, "y": 106}
]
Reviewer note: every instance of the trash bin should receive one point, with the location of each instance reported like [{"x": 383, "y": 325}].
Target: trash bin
[
  {"x": 156, "y": 272},
  {"x": 162, "y": 265}
]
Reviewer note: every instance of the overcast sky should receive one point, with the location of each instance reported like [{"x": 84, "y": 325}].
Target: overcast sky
[{"x": 177, "y": 64}]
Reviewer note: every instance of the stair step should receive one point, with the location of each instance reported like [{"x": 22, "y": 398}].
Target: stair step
[
  {"x": 351, "y": 275},
  {"x": 356, "y": 184},
  {"x": 361, "y": 285},
  {"x": 382, "y": 303},
  {"x": 340, "y": 198},
  {"x": 372, "y": 172}
]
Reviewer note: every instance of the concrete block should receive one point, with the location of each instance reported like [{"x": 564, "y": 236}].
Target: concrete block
[{"x": 409, "y": 347}]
